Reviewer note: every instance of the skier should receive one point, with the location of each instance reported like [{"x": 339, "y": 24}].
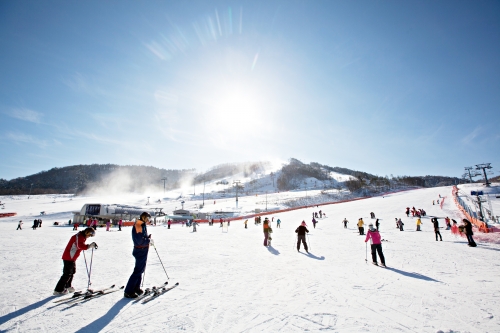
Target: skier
[
  {"x": 39, "y": 223},
  {"x": 278, "y": 223},
  {"x": 221, "y": 220},
  {"x": 320, "y": 214},
  {"x": 75, "y": 226},
  {"x": 454, "y": 228},
  {"x": 407, "y": 212},
  {"x": 19, "y": 225},
  {"x": 194, "y": 223},
  {"x": 397, "y": 224},
  {"x": 108, "y": 223},
  {"x": 120, "y": 225},
  {"x": 246, "y": 222},
  {"x": 345, "y": 223},
  {"x": 75, "y": 245},
  {"x": 377, "y": 224},
  {"x": 401, "y": 224},
  {"x": 301, "y": 236},
  {"x": 266, "y": 230},
  {"x": 434, "y": 221},
  {"x": 469, "y": 233},
  {"x": 141, "y": 241},
  {"x": 419, "y": 222},
  {"x": 376, "y": 245},
  {"x": 314, "y": 223},
  {"x": 360, "y": 226},
  {"x": 448, "y": 223}
]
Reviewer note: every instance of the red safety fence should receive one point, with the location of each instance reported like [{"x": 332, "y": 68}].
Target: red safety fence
[
  {"x": 482, "y": 226},
  {"x": 244, "y": 217},
  {"x": 7, "y": 214}
]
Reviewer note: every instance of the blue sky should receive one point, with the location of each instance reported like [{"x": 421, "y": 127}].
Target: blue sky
[{"x": 386, "y": 87}]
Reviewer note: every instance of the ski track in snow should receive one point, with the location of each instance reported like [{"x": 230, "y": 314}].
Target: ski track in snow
[{"x": 230, "y": 282}]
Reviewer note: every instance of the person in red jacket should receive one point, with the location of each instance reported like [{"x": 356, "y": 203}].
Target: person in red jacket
[{"x": 75, "y": 245}]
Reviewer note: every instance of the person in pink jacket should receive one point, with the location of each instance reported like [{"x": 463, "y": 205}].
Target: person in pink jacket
[{"x": 376, "y": 244}]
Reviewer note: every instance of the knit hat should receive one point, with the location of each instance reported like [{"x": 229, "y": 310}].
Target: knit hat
[
  {"x": 370, "y": 226},
  {"x": 303, "y": 223}
]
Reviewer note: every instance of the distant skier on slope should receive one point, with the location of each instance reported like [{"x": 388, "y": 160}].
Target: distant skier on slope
[
  {"x": 419, "y": 222},
  {"x": 20, "y": 225},
  {"x": 72, "y": 251},
  {"x": 469, "y": 233},
  {"x": 376, "y": 245},
  {"x": 314, "y": 222},
  {"x": 265, "y": 227},
  {"x": 377, "y": 224},
  {"x": 194, "y": 224},
  {"x": 434, "y": 221},
  {"x": 301, "y": 236},
  {"x": 278, "y": 223},
  {"x": 345, "y": 223},
  {"x": 360, "y": 226}
]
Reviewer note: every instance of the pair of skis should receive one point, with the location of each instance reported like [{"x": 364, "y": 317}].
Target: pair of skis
[
  {"x": 89, "y": 294},
  {"x": 157, "y": 293},
  {"x": 153, "y": 293}
]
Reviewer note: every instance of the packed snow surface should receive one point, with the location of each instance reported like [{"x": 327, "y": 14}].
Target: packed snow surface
[{"x": 230, "y": 282}]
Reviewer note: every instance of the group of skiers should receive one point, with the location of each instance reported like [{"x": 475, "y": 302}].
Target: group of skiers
[
  {"x": 141, "y": 239},
  {"x": 415, "y": 212},
  {"x": 319, "y": 214},
  {"x": 37, "y": 223}
]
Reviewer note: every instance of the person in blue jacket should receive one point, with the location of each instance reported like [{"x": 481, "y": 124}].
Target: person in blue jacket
[{"x": 141, "y": 247}]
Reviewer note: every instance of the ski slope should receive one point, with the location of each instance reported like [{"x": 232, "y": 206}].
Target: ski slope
[{"x": 230, "y": 282}]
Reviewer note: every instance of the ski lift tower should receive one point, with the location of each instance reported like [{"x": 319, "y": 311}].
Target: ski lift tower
[
  {"x": 164, "y": 180},
  {"x": 237, "y": 183},
  {"x": 471, "y": 174},
  {"x": 484, "y": 166}
]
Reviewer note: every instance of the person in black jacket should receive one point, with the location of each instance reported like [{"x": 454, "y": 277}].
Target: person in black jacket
[
  {"x": 301, "y": 236},
  {"x": 434, "y": 221},
  {"x": 469, "y": 233}
]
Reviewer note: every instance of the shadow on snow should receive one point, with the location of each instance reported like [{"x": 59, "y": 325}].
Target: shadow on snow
[
  {"x": 310, "y": 255},
  {"x": 273, "y": 250},
  {"x": 20, "y": 312},
  {"x": 99, "y": 324},
  {"x": 413, "y": 275}
]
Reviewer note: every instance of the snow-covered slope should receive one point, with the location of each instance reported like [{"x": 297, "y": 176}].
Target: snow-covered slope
[{"x": 230, "y": 282}]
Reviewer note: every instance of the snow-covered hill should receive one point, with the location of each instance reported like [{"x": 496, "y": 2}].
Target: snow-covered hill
[{"x": 230, "y": 282}]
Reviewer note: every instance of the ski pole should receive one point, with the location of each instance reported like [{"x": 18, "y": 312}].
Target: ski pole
[
  {"x": 366, "y": 252},
  {"x": 90, "y": 268},
  {"x": 87, "y": 267},
  {"x": 144, "y": 274},
  {"x": 161, "y": 261}
]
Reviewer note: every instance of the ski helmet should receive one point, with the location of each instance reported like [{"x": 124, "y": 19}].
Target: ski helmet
[{"x": 144, "y": 215}]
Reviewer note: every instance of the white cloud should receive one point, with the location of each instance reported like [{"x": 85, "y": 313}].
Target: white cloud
[
  {"x": 25, "y": 138},
  {"x": 472, "y": 135},
  {"x": 26, "y": 115}
]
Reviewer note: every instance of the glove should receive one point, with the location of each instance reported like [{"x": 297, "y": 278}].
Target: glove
[
  {"x": 151, "y": 241},
  {"x": 93, "y": 245}
]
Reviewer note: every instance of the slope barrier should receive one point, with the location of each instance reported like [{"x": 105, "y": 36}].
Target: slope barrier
[{"x": 482, "y": 226}]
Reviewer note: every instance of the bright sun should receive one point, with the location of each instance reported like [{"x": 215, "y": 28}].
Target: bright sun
[{"x": 234, "y": 107}]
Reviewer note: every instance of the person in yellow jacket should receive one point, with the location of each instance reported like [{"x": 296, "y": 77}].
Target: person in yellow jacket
[
  {"x": 419, "y": 222},
  {"x": 360, "y": 226}
]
